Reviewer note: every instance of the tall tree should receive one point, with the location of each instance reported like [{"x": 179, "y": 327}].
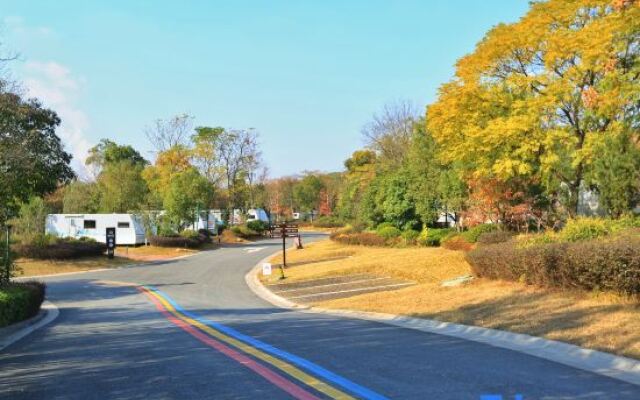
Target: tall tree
[
  {"x": 175, "y": 131},
  {"x": 538, "y": 96},
  {"x": 389, "y": 132},
  {"x": 32, "y": 158},
  {"x": 307, "y": 192},
  {"x": 81, "y": 197},
  {"x": 109, "y": 152}
]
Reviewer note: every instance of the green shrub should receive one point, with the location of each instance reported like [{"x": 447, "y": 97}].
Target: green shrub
[
  {"x": 258, "y": 226},
  {"x": 410, "y": 236},
  {"x": 611, "y": 265},
  {"x": 189, "y": 234},
  {"x": 47, "y": 248},
  {"x": 584, "y": 229},
  {"x": 20, "y": 301},
  {"x": 389, "y": 232},
  {"x": 359, "y": 239},
  {"x": 495, "y": 237},
  {"x": 434, "y": 237},
  {"x": 328, "y": 222},
  {"x": 383, "y": 225},
  {"x": 474, "y": 233},
  {"x": 176, "y": 241},
  {"x": 244, "y": 231}
]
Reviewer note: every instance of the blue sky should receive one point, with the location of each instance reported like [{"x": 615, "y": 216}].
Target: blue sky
[{"x": 306, "y": 74}]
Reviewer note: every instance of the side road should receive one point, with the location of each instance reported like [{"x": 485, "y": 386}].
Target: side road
[{"x": 606, "y": 364}]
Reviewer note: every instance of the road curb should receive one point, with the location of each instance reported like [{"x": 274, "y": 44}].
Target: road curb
[
  {"x": 598, "y": 362},
  {"x": 13, "y": 333}
]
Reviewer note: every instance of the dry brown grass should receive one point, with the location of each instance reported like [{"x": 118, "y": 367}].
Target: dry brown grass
[
  {"x": 595, "y": 320},
  {"x": 28, "y": 267},
  {"x": 153, "y": 253}
]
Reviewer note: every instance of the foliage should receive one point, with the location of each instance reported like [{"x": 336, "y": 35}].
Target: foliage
[
  {"x": 359, "y": 239},
  {"x": 616, "y": 174},
  {"x": 187, "y": 192},
  {"x": 81, "y": 198},
  {"x": 32, "y": 157},
  {"x": 583, "y": 229},
  {"x": 474, "y": 233},
  {"x": 410, "y": 236},
  {"x": 495, "y": 237},
  {"x": 306, "y": 193},
  {"x": 31, "y": 220},
  {"x": 187, "y": 241},
  {"x": 20, "y": 301},
  {"x": 537, "y": 97},
  {"x": 328, "y": 222},
  {"x": 456, "y": 242},
  {"x": 47, "y": 247},
  {"x": 433, "y": 237},
  {"x": 258, "y": 226},
  {"x": 121, "y": 186},
  {"x": 109, "y": 152},
  {"x": 612, "y": 265},
  {"x": 244, "y": 231},
  {"x": 389, "y": 232}
]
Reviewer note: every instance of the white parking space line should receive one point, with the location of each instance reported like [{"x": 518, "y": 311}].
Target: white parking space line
[
  {"x": 352, "y": 290},
  {"x": 331, "y": 284}
]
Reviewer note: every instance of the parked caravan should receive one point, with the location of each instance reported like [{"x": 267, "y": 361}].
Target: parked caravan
[
  {"x": 129, "y": 227},
  {"x": 257, "y": 214}
]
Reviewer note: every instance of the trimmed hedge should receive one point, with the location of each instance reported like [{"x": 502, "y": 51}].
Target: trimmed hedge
[
  {"x": 20, "y": 301},
  {"x": 495, "y": 237},
  {"x": 258, "y": 226},
  {"x": 608, "y": 265},
  {"x": 188, "y": 241},
  {"x": 359, "y": 239},
  {"x": 62, "y": 249}
]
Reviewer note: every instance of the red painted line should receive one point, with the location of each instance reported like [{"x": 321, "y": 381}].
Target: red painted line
[{"x": 284, "y": 384}]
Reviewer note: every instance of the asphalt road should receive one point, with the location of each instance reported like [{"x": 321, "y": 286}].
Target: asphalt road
[{"x": 191, "y": 329}]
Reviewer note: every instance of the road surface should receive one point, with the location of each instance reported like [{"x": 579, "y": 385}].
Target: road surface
[{"x": 191, "y": 329}]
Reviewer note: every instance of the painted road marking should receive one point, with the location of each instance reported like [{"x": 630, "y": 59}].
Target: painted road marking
[
  {"x": 330, "y": 284},
  {"x": 352, "y": 290},
  {"x": 254, "y": 249},
  {"x": 289, "y": 387},
  {"x": 353, "y": 387},
  {"x": 250, "y": 345}
]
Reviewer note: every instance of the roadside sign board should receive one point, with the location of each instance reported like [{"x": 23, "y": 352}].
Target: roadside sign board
[
  {"x": 266, "y": 269},
  {"x": 111, "y": 241}
]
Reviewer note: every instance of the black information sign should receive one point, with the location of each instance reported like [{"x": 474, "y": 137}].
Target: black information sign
[{"x": 111, "y": 241}]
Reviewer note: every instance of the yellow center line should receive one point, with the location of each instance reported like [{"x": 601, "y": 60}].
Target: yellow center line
[{"x": 281, "y": 365}]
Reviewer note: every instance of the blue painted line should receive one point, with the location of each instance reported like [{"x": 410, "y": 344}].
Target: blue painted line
[{"x": 299, "y": 361}]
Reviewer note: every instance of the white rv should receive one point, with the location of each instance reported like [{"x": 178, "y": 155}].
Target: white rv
[{"x": 129, "y": 227}]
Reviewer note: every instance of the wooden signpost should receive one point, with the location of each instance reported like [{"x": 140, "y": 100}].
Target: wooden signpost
[{"x": 284, "y": 231}]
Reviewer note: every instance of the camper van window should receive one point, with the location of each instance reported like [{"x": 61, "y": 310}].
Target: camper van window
[
  {"x": 123, "y": 224},
  {"x": 89, "y": 224}
]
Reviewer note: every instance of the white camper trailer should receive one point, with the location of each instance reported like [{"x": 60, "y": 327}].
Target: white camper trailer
[{"x": 129, "y": 227}]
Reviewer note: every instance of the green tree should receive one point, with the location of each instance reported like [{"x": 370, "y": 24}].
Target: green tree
[
  {"x": 537, "y": 97},
  {"x": 32, "y": 159},
  {"x": 81, "y": 197},
  {"x": 616, "y": 174},
  {"x": 109, "y": 152},
  {"x": 121, "y": 186},
  {"x": 32, "y": 219},
  {"x": 188, "y": 192},
  {"x": 306, "y": 192}
]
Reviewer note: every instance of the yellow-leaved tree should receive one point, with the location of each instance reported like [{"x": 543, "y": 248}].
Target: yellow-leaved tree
[{"x": 537, "y": 97}]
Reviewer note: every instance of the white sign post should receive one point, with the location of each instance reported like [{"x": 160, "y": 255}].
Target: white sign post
[{"x": 266, "y": 269}]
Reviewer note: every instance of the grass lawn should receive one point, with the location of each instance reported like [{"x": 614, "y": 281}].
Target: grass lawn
[{"x": 595, "y": 320}]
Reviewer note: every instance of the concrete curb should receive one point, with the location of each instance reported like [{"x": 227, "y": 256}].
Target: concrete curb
[
  {"x": 598, "y": 362},
  {"x": 11, "y": 334}
]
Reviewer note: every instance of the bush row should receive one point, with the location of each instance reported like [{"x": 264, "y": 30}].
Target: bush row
[
  {"x": 608, "y": 265},
  {"x": 359, "y": 239},
  {"x": 20, "y": 301},
  {"x": 59, "y": 249},
  {"x": 188, "y": 239}
]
